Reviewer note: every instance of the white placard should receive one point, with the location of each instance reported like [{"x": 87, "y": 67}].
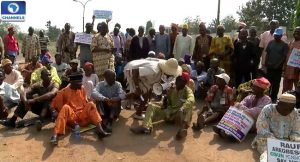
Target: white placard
[
  {"x": 103, "y": 14},
  {"x": 283, "y": 151},
  {"x": 294, "y": 59},
  {"x": 83, "y": 38}
]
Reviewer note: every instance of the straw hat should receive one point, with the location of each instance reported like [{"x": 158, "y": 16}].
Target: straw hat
[{"x": 170, "y": 67}]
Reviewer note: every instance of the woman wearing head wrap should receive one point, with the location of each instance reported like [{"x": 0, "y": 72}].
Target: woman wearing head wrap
[{"x": 90, "y": 79}]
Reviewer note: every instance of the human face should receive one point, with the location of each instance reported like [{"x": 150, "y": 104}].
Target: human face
[
  {"x": 243, "y": 35},
  {"x": 152, "y": 33},
  {"x": 116, "y": 31},
  {"x": 273, "y": 26},
  {"x": 58, "y": 59},
  {"x": 277, "y": 37},
  {"x": 74, "y": 66},
  {"x": 180, "y": 83},
  {"x": 30, "y": 30},
  {"x": 103, "y": 29},
  {"x": 34, "y": 60},
  {"x": 88, "y": 71},
  {"x": 45, "y": 75},
  {"x": 253, "y": 33},
  {"x": 257, "y": 91},
  {"x": 202, "y": 30},
  {"x": 88, "y": 28},
  {"x": 220, "y": 32},
  {"x": 214, "y": 64},
  {"x": 297, "y": 34},
  {"x": 7, "y": 69},
  {"x": 174, "y": 29},
  {"x": 141, "y": 32},
  {"x": 76, "y": 84},
  {"x": 41, "y": 33},
  {"x": 110, "y": 78},
  {"x": 220, "y": 82},
  {"x": 284, "y": 108},
  {"x": 184, "y": 31},
  {"x": 162, "y": 29},
  {"x": 67, "y": 27}
]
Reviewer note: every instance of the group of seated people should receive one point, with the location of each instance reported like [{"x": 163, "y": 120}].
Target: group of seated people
[{"x": 75, "y": 96}]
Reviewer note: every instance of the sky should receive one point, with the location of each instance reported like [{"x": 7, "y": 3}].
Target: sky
[{"x": 129, "y": 13}]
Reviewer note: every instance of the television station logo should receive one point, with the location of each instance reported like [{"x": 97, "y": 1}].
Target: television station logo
[{"x": 13, "y": 11}]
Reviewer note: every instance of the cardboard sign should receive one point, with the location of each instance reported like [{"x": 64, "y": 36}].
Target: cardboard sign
[
  {"x": 283, "y": 151},
  {"x": 294, "y": 59},
  {"x": 83, "y": 38},
  {"x": 236, "y": 123},
  {"x": 103, "y": 14}
]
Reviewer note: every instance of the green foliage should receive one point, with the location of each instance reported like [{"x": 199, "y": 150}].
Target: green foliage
[
  {"x": 53, "y": 31},
  {"x": 5, "y": 25},
  {"x": 193, "y": 24},
  {"x": 229, "y": 23},
  {"x": 254, "y": 11},
  {"x": 297, "y": 15},
  {"x": 212, "y": 26},
  {"x": 149, "y": 25}
]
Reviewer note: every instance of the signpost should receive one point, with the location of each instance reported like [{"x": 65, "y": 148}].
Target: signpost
[
  {"x": 83, "y": 38},
  {"x": 103, "y": 14},
  {"x": 283, "y": 151},
  {"x": 236, "y": 123},
  {"x": 294, "y": 59}
]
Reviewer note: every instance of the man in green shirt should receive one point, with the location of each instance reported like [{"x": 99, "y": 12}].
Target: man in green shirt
[{"x": 178, "y": 107}]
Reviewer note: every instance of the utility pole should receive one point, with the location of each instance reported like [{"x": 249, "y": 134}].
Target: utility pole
[
  {"x": 83, "y": 6},
  {"x": 218, "y": 14}
]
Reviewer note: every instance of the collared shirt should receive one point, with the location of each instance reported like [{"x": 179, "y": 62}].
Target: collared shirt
[
  {"x": 93, "y": 78},
  {"x": 162, "y": 44},
  {"x": 118, "y": 43},
  {"x": 9, "y": 93},
  {"x": 36, "y": 75},
  {"x": 104, "y": 90},
  {"x": 180, "y": 99},
  {"x": 276, "y": 54},
  {"x": 44, "y": 41},
  {"x": 14, "y": 78},
  {"x": 60, "y": 68},
  {"x": 11, "y": 43},
  {"x": 254, "y": 106},
  {"x": 215, "y": 96},
  {"x": 183, "y": 45}
]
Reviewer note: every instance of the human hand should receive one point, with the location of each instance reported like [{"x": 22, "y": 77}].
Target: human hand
[{"x": 54, "y": 114}]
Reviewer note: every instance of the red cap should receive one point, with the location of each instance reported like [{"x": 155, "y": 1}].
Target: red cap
[{"x": 186, "y": 76}]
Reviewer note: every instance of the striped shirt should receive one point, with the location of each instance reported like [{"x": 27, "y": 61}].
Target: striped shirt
[{"x": 44, "y": 41}]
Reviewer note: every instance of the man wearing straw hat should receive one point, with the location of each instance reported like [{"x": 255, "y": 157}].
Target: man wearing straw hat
[
  {"x": 142, "y": 74},
  {"x": 279, "y": 121}
]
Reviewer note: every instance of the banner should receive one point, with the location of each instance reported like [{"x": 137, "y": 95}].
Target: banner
[
  {"x": 103, "y": 14},
  {"x": 236, "y": 123},
  {"x": 83, "y": 38},
  {"x": 284, "y": 151},
  {"x": 294, "y": 59}
]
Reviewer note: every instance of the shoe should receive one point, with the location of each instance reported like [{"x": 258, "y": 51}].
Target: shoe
[
  {"x": 197, "y": 127},
  {"x": 141, "y": 130},
  {"x": 8, "y": 123},
  {"x": 139, "y": 117},
  {"x": 108, "y": 127},
  {"x": 217, "y": 130},
  {"x": 101, "y": 133},
  {"x": 54, "y": 140},
  {"x": 38, "y": 125},
  {"x": 182, "y": 133}
]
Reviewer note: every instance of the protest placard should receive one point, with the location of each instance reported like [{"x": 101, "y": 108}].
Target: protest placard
[
  {"x": 283, "y": 151},
  {"x": 294, "y": 59},
  {"x": 103, "y": 14},
  {"x": 83, "y": 38},
  {"x": 236, "y": 123}
]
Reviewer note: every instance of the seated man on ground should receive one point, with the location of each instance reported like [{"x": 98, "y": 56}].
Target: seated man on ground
[
  {"x": 71, "y": 107},
  {"x": 60, "y": 66},
  {"x": 74, "y": 68},
  {"x": 179, "y": 107},
  {"x": 279, "y": 121},
  {"x": 37, "y": 100},
  {"x": 9, "y": 97},
  {"x": 253, "y": 103},
  {"x": 213, "y": 71},
  {"x": 108, "y": 95},
  {"x": 12, "y": 76},
  {"x": 29, "y": 68},
  {"x": 199, "y": 77},
  {"x": 36, "y": 75},
  {"x": 219, "y": 99},
  {"x": 90, "y": 79}
]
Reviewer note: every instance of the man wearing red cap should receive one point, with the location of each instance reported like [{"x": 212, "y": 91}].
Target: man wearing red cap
[{"x": 180, "y": 102}]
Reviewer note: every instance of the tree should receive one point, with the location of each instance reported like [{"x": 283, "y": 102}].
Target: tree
[
  {"x": 229, "y": 23},
  {"x": 193, "y": 24},
  {"x": 255, "y": 10},
  {"x": 53, "y": 31},
  {"x": 297, "y": 15},
  {"x": 212, "y": 26},
  {"x": 149, "y": 25}
]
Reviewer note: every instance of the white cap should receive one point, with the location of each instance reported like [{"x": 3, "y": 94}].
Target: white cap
[{"x": 224, "y": 76}]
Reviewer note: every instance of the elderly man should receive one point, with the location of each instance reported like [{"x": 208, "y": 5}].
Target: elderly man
[
  {"x": 12, "y": 76},
  {"x": 73, "y": 69},
  {"x": 222, "y": 48},
  {"x": 60, "y": 66},
  {"x": 252, "y": 104},
  {"x": 139, "y": 46},
  {"x": 31, "y": 45},
  {"x": 179, "y": 104},
  {"x": 162, "y": 42},
  {"x": 142, "y": 74},
  {"x": 65, "y": 44},
  {"x": 29, "y": 68},
  {"x": 73, "y": 108},
  {"x": 108, "y": 95},
  {"x": 9, "y": 97},
  {"x": 118, "y": 41},
  {"x": 183, "y": 44},
  {"x": 202, "y": 46},
  {"x": 219, "y": 99},
  {"x": 279, "y": 121},
  {"x": 36, "y": 75},
  {"x": 37, "y": 100},
  {"x": 213, "y": 71}
]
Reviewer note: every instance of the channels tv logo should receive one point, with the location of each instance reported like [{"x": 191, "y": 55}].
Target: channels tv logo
[{"x": 13, "y": 11}]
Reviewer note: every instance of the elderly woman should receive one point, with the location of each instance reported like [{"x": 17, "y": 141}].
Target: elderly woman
[{"x": 279, "y": 121}]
